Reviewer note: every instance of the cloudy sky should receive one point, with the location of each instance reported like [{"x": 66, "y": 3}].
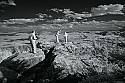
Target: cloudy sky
[
  {"x": 65, "y": 3},
  {"x": 28, "y": 8}
]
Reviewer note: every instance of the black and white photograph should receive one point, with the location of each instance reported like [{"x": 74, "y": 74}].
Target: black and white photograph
[{"x": 62, "y": 41}]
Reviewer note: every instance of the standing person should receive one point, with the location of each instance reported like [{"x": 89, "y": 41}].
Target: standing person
[
  {"x": 57, "y": 36},
  {"x": 66, "y": 37},
  {"x": 33, "y": 41}
]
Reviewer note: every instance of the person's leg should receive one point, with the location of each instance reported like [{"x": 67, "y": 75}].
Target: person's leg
[
  {"x": 57, "y": 39},
  {"x": 34, "y": 46},
  {"x": 31, "y": 43},
  {"x": 66, "y": 39}
]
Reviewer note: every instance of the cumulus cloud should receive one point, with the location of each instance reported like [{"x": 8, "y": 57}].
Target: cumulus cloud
[
  {"x": 72, "y": 14},
  {"x": 107, "y": 9},
  {"x": 95, "y": 11},
  {"x": 40, "y": 15},
  {"x": 56, "y": 10}
]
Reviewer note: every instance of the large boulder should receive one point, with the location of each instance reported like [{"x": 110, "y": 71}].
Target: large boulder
[
  {"x": 6, "y": 52},
  {"x": 23, "y": 61}
]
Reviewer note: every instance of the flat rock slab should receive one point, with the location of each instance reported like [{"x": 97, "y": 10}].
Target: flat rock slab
[
  {"x": 23, "y": 61},
  {"x": 32, "y": 59}
]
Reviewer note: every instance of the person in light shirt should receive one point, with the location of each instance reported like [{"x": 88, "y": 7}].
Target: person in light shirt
[
  {"x": 66, "y": 37},
  {"x": 57, "y": 36},
  {"x": 33, "y": 39}
]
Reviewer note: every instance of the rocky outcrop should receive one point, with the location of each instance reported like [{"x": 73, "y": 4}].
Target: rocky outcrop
[
  {"x": 81, "y": 62},
  {"x": 17, "y": 62},
  {"x": 6, "y": 52},
  {"x": 85, "y": 62}
]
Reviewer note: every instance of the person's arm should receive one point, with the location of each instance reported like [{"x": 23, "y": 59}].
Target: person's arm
[{"x": 34, "y": 36}]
